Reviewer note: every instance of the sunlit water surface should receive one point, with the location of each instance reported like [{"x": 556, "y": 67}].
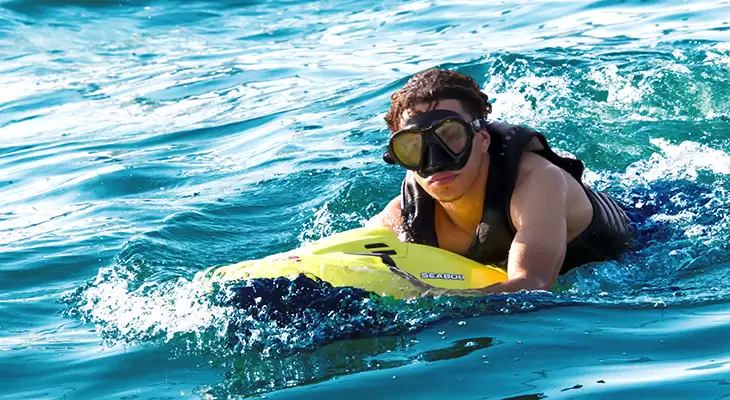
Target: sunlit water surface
[{"x": 143, "y": 141}]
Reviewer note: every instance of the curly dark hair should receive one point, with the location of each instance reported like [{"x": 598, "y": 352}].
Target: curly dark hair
[{"x": 433, "y": 85}]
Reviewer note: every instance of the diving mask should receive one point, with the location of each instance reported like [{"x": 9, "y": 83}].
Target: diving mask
[{"x": 433, "y": 141}]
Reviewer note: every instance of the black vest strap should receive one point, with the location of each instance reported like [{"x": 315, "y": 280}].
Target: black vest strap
[
  {"x": 495, "y": 231},
  {"x": 418, "y": 209}
]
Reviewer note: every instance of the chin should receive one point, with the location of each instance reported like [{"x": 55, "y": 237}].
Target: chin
[
  {"x": 447, "y": 197},
  {"x": 446, "y": 193}
]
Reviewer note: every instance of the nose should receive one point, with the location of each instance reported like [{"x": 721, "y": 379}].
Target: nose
[{"x": 436, "y": 159}]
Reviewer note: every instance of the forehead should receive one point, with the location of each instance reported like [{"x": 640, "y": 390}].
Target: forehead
[{"x": 446, "y": 104}]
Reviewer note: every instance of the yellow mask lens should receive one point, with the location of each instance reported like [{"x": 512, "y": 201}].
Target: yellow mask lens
[{"x": 407, "y": 148}]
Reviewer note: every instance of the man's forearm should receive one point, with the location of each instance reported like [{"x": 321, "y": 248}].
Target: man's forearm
[
  {"x": 515, "y": 285},
  {"x": 508, "y": 286}
]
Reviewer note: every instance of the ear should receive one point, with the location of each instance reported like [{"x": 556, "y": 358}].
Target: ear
[{"x": 486, "y": 140}]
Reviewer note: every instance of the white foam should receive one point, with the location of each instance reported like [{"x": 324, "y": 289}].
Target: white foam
[
  {"x": 153, "y": 311},
  {"x": 682, "y": 161}
]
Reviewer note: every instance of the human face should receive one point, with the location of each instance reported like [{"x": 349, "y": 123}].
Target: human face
[{"x": 447, "y": 186}]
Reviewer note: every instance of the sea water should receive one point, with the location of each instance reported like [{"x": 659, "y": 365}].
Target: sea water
[{"x": 144, "y": 141}]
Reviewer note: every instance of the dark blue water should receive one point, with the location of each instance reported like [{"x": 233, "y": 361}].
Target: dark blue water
[{"x": 142, "y": 142}]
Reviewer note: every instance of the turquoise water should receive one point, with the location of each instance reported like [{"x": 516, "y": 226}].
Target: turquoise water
[{"x": 141, "y": 142}]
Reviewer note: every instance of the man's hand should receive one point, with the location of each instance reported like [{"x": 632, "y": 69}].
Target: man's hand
[{"x": 390, "y": 217}]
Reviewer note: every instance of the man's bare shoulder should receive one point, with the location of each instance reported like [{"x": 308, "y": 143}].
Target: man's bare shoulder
[
  {"x": 531, "y": 162},
  {"x": 537, "y": 178}
]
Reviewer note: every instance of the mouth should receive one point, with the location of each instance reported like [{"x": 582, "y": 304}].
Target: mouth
[{"x": 441, "y": 178}]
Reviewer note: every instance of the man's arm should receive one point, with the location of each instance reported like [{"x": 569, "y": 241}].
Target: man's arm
[
  {"x": 390, "y": 217},
  {"x": 539, "y": 213}
]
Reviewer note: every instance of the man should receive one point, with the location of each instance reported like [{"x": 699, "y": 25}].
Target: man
[{"x": 493, "y": 192}]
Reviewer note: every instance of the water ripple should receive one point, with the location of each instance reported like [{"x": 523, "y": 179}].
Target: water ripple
[{"x": 141, "y": 142}]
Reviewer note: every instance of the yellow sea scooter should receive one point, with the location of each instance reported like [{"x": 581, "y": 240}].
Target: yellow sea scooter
[{"x": 372, "y": 259}]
